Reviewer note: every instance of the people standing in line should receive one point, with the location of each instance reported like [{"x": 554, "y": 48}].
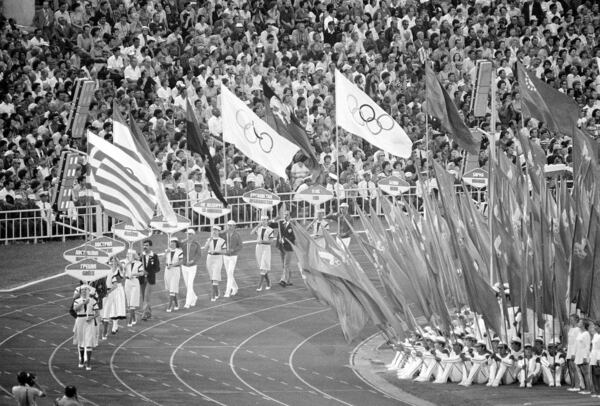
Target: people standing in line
[
  {"x": 85, "y": 331},
  {"x": 233, "y": 243},
  {"x": 69, "y": 399},
  {"x": 27, "y": 390},
  {"x": 151, "y": 265},
  {"x": 344, "y": 223},
  {"x": 264, "y": 239},
  {"x": 133, "y": 270},
  {"x": 173, "y": 261},
  {"x": 189, "y": 268},
  {"x": 285, "y": 239},
  {"x": 318, "y": 226},
  {"x": 215, "y": 247},
  {"x": 114, "y": 307}
]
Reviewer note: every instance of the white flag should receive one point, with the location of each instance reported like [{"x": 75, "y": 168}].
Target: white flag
[
  {"x": 255, "y": 138},
  {"x": 359, "y": 114}
]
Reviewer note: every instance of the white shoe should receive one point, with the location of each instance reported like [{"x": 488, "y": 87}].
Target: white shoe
[
  {"x": 584, "y": 392},
  {"x": 225, "y": 295},
  {"x": 88, "y": 368},
  {"x": 259, "y": 289},
  {"x": 234, "y": 293},
  {"x": 129, "y": 324},
  {"x": 169, "y": 310},
  {"x": 80, "y": 366},
  {"x": 529, "y": 385},
  {"x": 134, "y": 322},
  {"x": 573, "y": 389},
  {"x": 214, "y": 299},
  {"x": 187, "y": 306},
  {"x": 104, "y": 338},
  {"x": 193, "y": 304},
  {"x": 268, "y": 288},
  {"x": 176, "y": 308}
]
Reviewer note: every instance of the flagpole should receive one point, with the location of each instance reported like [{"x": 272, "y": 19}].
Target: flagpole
[
  {"x": 337, "y": 173},
  {"x": 426, "y": 125},
  {"x": 492, "y": 162}
]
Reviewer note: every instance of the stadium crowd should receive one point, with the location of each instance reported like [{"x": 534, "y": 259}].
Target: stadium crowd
[{"x": 149, "y": 56}]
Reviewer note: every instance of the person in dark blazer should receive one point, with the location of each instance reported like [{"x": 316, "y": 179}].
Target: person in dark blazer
[
  {"x": 43, "y": 19},
  {"x": 285, "y": 240},
  {"x": 533, "y": 8},
  {"x": 151, "y": 266}
]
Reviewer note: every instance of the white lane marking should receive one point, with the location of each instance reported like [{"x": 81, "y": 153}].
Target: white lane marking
[
  {"x": 312, "y": 387},
  {"x": 237, "y": 349},
  {"x": 220, "y": 324}
]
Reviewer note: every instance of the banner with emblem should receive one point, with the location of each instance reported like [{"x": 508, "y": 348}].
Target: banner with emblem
[
  {"x": 359, "y": 114},
  {"x": 255, "y": 138}
]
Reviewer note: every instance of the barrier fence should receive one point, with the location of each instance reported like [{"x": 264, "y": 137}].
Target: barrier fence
[{"x": 32, "y": 225}]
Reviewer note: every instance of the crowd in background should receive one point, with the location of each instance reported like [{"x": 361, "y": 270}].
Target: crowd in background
[{"x": 148, "y": 57}]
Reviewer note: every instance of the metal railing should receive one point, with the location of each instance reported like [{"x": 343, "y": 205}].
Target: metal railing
[
  {"x": 31, "y": 226},
  {"x": 35, "y": 225}
]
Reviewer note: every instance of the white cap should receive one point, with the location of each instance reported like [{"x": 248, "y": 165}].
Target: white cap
[
  {"x": 231, "y": 223},
  {"x": 216, "y": 228},
  {"x": 174, "y": 239},
  {"x": 191, "y": 231},
  {"x": 344, "y": 205},
  {"x": 264, "y": 217}
]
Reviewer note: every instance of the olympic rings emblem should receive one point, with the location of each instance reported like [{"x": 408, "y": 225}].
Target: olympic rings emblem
[
  {"x": 365, "y": 116},
  {"x": 265, "y": 141}
]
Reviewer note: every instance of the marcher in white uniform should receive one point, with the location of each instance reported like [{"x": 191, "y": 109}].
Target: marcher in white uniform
[
  {"x": 215, "y": 247},
  {"x": 85, "y": 331},
  {"x": 133, "y": 270},
  {"x": 233, "y": 247},
  {"x": 264, "y": 239},
  {"x": 191, "y": 254},
  {"x": 114, "y": 306},
  {"x": 173, "y": 260},
  {"x": 318, "y": 226}
]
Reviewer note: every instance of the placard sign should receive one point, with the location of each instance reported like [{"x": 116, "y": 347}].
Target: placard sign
[
  {"x": 88, "y": 270},
  {"x": 261, "y": 199},
  {"x": 110, "y": 245},
  {"x": 86, "y": 251},
  {"x": 393, "y": 185},
  {"x": 477, "y": 178},
  {"x": 128, "y": 233},
  {"x": 314, "y": 195},
  {"x": 211, "y": 208},
  {"x": 160, "y": 223}
]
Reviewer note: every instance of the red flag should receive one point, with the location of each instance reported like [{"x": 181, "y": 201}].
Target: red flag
[
  {"x": 441, "y": 106},
  {"x": 557, "y": 110}
]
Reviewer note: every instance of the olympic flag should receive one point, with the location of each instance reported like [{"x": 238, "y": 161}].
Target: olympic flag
[
  {"x": 359, "y": 114},
  {"x": 251, "y": 135}
]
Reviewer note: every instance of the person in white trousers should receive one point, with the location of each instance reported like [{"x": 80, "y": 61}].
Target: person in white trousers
[
  {"x": 215, "y": 247},
  {"x": 174, "y": 258},
  {"x": 233, "y": 243},
  {"x": 133, "y": 270},
  {"x": 191, "y": 254}
]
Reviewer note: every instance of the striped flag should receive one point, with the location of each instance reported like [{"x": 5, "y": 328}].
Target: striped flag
[
  {"x": 120, "y": 183},
  {"x": 132, "y": 142}
]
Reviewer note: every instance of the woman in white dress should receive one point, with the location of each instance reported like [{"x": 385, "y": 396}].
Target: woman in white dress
[
  {"x": 133, "y": 270},
  {"x": 215, "y": 247},
  {"x": 114, "y": 304},
  {"x": 85, "y": 331},
  {"x": 174, "y": 259},
  {"x": 264, "y": 239}
]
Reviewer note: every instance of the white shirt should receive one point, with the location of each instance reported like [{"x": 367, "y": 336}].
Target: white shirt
[
  {"x": 114, "y": 62},
  {"x": 215, "y": 126},
  {"x": 132, "y": 73}
]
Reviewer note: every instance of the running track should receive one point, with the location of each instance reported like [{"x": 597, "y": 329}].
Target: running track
[{"x": 277, "y": 347}]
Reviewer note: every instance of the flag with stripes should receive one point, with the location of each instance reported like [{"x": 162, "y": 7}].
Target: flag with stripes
[
  {"x": 133, "y": 143},
  {"x": 120, "y": 182}
]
